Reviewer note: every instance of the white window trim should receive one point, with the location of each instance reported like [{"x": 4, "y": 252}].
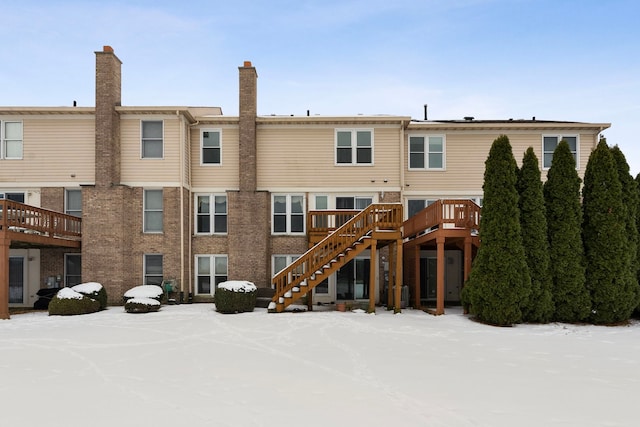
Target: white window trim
[
  {"x": 290, "y": 258},
  {"x": 211, "y": 214},
  {"x": 66, "y": 201},
  {"x": 355, "y": 200},
  {"x": 66, "y": 272},
  {"x": 212, "y": 274},
  {"x": 288, "y": 232},
  {"x": 3, "y": 194},
  {"x": 202, "y": 131},
  {"x": 354, "y": 147},
  {"x": 144, "y": 210},
  {"x": 559, "y": 137},
  {"x": 3, "y": 141},
  {"x": 426, "y": 137},
  {"x": 141, "y": 140},
  {"x": 144, "y": 266}
]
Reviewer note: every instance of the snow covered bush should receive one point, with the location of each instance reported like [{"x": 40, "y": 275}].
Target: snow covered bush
[
  {"x": 69, "y": 302},
  {"x": 141, "y": 305},
  {"x": 154, "y": 292},
  {"x": 94, "y": 291},
  {"x": 235, "y": 296}
]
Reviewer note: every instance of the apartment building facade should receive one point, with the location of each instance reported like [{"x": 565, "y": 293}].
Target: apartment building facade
[{"x": 192, "y": 195}]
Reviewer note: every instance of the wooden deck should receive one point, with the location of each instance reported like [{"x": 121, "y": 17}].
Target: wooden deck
[
  {"x": 445, "y": 223},
  {"x": 24, "y": 226}
]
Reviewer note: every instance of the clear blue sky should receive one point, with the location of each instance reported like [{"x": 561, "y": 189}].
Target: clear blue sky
[{"x": 575, "y": 60}]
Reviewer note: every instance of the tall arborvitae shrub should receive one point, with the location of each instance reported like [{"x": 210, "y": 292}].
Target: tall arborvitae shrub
[
  {"x": 631, "y": 201},
  {"x": 499, "y": 284},
  {"x": 638, "y": 226},
  {"x": 533, "y": 222},
  {"x": 564, "y": 220},
  {"x": 608, "y": 273}
]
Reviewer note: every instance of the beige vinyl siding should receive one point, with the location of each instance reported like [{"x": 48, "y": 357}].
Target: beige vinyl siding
[
  {"x": 224, "y": 176},
  {"x": 304, "y": 156},
  {"x": 53, "y": 151},
  {"x": 466, "y": 153},
  {"x": 136, "y": 170}
]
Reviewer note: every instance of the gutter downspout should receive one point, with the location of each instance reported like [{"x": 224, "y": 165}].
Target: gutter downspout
[
  {"x": 402, "y": 184},
  {"x": 180, "y": 188}
]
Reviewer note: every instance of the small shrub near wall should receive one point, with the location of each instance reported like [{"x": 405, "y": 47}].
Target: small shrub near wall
[
  {"x": 141, "y": 305},
  {"x": 69, "y": 302},
  {"x": 235, "y": 296},
  {"x": 144, "y": 291},
  {"x": 94, "y": 291}
]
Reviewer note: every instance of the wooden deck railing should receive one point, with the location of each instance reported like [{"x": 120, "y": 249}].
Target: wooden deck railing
[
  {"x": 321, "y": 223},
  {"x": 18, "y": 217},
  {"x": 459, "y": 213},
  {"x": 375, "y": 217}
]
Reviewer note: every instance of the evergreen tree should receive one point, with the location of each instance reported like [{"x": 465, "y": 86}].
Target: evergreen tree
[
  {"x": 613, "y": 296},
  {"x": 499, "y": 284},
  {"x": 631, "y": 202},
  {"x": 533, "y": 222},
  {"x": 638, "y": 227},
  {"x": 564, "y": 220}
]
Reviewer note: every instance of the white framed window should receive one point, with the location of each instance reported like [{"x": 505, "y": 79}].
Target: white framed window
[
  {"x": 354, "y": 147},
  {"x": 353, "y": 202},
  {"x": 322, "y": 202},
  {"x": 73, "y": 202},
  {"x": 153, "y": 211},
  {"x": 153, "y": 269},
  {"x": 210, "y": 146},
  {"x": 427, "y": 152},
  {"x": 10, "y": 140},
  {"x": 152, "y": 146},
  {"x": 72, "y": 269},
  {"x": 16, "y": 196},
  {"x": 550, "y": 142},
  {"x": 210, "y": 271},
  {"x": 278, "y": 262},
  {"x": 211, "y": 213},
  {"x": 288, "y": 214}
]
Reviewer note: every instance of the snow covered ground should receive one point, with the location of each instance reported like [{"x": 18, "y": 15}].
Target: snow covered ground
[{"x": 188, "y": 365}]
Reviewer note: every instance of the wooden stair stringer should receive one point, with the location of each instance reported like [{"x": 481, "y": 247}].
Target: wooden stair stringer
[{"x": 299, "y": 288}]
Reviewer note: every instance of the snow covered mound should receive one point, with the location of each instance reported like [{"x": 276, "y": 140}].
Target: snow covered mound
[
  {"x": 237, "y": 286},
  {"x": 144, "y": 291},
  {"x": 87, "y": 288},
  {"x": 68, "y": 293}
]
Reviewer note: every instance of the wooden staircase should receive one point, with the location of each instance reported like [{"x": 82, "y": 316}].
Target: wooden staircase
[{"x": 334, "y": 251}]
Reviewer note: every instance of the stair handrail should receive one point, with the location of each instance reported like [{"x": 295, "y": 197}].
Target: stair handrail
[{"x": 374, "y": 216}]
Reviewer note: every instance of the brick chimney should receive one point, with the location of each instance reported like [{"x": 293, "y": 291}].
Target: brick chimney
[
  {"x": 249, "y": 209},
  {"x": 248, "y": 111},
  {"x": 108, "y": 96}
]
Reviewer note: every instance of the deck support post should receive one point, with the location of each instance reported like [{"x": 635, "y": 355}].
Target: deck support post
[
  {"x": 467, "y": 258},
  {"x": 4, "y": 277},
  {"x": 440, "y": 275},
  {"x": 416, "y": 283},
  {"x": 398, "y": 282},
  {"x": 392, "y": 275},
  {"x": 373, "y": 265}
]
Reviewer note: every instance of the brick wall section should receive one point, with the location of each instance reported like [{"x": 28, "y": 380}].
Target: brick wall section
[
  {"x": 248, "y": 237},
  {"x": 106, "y": 239},
  {"x": 108, "y": 96},
  {"x": 52, "y": 198}
]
